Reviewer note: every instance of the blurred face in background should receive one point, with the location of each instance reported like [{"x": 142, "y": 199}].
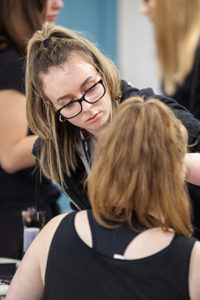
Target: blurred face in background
[
  {"x": 147, "y": 8},
  {"x": 52, "y": 11}
]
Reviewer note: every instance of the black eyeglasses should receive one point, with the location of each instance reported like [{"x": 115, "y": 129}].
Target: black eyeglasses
[{"x": 92, "y": 95}]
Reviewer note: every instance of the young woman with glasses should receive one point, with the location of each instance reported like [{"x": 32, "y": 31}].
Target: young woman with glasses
[
  {"x": 136, "y": 242},
  {"x": 73, "y": 92}
]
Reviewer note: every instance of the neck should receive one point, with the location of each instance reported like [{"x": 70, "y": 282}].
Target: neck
[{"x": 97, "y": 133}]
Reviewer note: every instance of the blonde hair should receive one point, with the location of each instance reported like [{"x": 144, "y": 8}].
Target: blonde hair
[
  {"x": 139, "y": 167},
  {"x": 177, "y": 32},
  {"x": 60, "y": 141}
]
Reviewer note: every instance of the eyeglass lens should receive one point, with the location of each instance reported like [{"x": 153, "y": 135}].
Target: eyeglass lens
[{"x": 92, "y": 95}]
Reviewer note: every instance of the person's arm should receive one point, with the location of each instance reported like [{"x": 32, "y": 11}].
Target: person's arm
[
  {"x": 189, "y": 121},
  {"x": 194, "y": 273},
  {"x": 16, "y": 146},
  {"x": 28, "y": 282},
  {"x": 192, "y": 164}
]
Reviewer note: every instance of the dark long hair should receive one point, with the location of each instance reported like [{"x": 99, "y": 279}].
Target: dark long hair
[{"x": 19, "y": 19}]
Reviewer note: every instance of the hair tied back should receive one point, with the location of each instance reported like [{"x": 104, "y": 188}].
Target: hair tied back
[{"x": 46, "y": 42}]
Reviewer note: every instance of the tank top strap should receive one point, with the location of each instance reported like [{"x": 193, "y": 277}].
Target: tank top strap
[
  {"x": 92, "y": 228},
  {"x": 111, "y": 241},
  {"x": 182, "y": 241}
]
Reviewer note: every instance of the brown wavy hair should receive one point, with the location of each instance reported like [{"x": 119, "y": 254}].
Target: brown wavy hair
[
  {"x": 139, "y": 167},
  {"x": 19, "y": 19},
  {"x": 60, "y": 141}
]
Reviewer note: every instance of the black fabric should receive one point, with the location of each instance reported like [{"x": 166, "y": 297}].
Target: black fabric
[
  {"x": 7, "y": 271},
  {"x": 192, "y": 124},
  {"x": 188, "y": 93},
  {"x": 76, "y": 190},
  {"x": 106, "y": 241},
  {"x": 12, "y": 72},
  {"x": 18, "y": 189},
  {"x": 75, "y": 271}
]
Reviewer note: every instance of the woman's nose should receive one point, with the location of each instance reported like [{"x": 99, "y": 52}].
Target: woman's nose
[
  {"x": 86, "y": 106},
  {"x": 144, "y": 9},
  {"x": 58, "y": 4}
]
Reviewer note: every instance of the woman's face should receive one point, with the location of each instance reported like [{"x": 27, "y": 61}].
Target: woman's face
[
  {"x": 147, "y": 8},
  {"x": 68, "y": 82},
  {"x": 52, "y": 11}
]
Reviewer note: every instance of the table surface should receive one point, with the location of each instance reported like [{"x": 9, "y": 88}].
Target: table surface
[{"x": 5, "y": 260}]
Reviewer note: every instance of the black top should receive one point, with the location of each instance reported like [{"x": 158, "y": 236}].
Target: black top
[
  {"x": 106, "y": 241},
  {"x": 188, "y": 93},
  {"x": 77, "y": 192},
  {"x": 76, "y": 271},
  {"x": 18, "y": 189}
]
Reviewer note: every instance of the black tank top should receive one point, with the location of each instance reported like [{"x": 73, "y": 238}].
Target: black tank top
[
  {"x": 112, "y": 242},
  {"x": 76, "y": 272}
]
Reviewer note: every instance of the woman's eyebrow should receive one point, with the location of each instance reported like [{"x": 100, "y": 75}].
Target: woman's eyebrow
[{"x": 68, "y": 95}]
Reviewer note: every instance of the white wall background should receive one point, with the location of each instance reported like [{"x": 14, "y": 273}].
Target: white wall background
[{"x": 136, "y": 50}]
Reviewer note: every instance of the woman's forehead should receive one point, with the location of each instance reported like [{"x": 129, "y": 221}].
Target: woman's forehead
[
  {"x": 71, "y": 64},
  {"x": 66, "y": 77},
  {"x": 73, "y": 67}
]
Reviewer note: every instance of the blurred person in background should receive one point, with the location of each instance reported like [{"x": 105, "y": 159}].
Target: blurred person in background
[
  {"x": 52, "y": 10},
  {"x": 176, "y": 26},
  {"x": 18, "y": 21}
]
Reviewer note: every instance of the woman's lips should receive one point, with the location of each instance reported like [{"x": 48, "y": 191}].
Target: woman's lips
[
  {"x": 93, "y": 118},
  {"x": 52, "y": 18}
]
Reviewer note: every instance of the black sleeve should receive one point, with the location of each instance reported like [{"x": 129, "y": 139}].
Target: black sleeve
[
  {"x": 195, "y": 87},
  {"x": 77, "y": 191},
  {"x": 190, "y": 122},
  {"x": 12, "y": 71},
  {"x": 36, "y": 148}
]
